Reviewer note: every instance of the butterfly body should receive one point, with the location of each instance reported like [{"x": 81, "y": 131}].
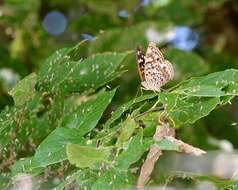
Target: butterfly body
[{"x": 154, "y": 70}]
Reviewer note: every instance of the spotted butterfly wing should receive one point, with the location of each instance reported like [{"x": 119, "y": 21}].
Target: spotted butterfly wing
[
  {"x": 157, "y": 71},
  {"x": 140, "y": 56}
]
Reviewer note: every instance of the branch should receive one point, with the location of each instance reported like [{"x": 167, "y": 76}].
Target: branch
[
  {"x": 162, "y": 132},
  {"x": 184, "y": 147},
  {"x": 151, "y": 110}
]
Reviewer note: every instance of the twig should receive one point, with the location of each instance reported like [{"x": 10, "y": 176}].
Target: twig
[{"x": 148, "y": 111}]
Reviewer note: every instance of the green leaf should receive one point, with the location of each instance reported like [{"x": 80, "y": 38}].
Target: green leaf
[
  {"x": 113, "y": 179},
  {"x": 8, "y": 124},
  {"x": 16, "y": 120},
  {"x": 87, "y": 180},
  {"x": 197, "y": 97},
  {"x": 117, "y": 114},
  {"x": 167, "y": 145},
  {"x": 52, "y": 149},
  {"x": 184, "y": 109},
  {"x": 85, "y": 156},
  {"x": 151, "y": 121},
  {"x": 24, "y": 90},
  {"x": 127, "y": 128},
  {"x": 62, "y": 72},
  {"x": 4, "y": 180},
  {"x": 70, "y": 179},
  {"x": 132, "y": 153},
  {"x": 25, "y": 166},
  {"x": 192, "y": 109},
  {"x": 55, "y": 62},
  {"x": 163, "y": 144},
  {"x": 93, "y": 72},
  {"x": 86, "y": 117},
  {"x": 217, "y": 84},
  {"x": 57, "y": 109}
]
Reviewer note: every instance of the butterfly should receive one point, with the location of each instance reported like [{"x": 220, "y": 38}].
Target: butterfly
[{"x": 154, "y": 70}]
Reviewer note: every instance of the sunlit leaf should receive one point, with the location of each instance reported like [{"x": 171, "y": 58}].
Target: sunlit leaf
[
  {"x": 62, "y": 73},
  {"x": 85, "y": 156},
  {"x": 24, "y": 90}
]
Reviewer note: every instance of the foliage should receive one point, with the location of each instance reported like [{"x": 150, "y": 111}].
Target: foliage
[{"x": 76, "y": 114}]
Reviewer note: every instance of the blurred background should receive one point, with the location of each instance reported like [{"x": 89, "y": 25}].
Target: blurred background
[{"x": 198, "y": 37}]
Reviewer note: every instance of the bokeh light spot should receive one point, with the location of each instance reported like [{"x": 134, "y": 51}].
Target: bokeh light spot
[
  {"x": 185, "y": 38},
  {"x": 123, "y": 14},
  {"x": 55, "y": 23},
  {"x": 89, "y": 37},
  {"x": 153, "y": 35}
]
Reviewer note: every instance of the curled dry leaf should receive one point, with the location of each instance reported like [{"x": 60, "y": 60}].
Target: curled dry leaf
[
  {"x": 153, "y": 155},
  {"x": 184, "y": 147},
  {"x": 162, "y": 132}
]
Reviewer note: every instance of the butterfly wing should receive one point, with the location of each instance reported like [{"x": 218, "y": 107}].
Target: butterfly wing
[
  {"x": 154, "y": 76},
  {"x": 154, "y": 53},
  {"x": 154, "y": 70},
  {"x": 168, "y": 69},
  {"x": 158, "y": 71},
  {"x": 140, "y": 56}
]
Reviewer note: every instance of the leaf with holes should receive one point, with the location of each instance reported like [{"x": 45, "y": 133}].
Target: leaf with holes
[
  {"x": 127, "y": 128},
  {"x": 17, "y": 120},
  {"x": 133, "y": 152},
  {"x": 25, "y": 166},
  {"x": 113, "y": 179},
  {"x": 223, "y": 83},
  {"x": 69, "y": 179},
  {"x": 86, "y": 117},
  {"x": 52, "y": 149},
  {"x": 62, "y": 73},
  {"x": 55, "y": 62},
  {"x": 117, "y": 114},
  {"x": 189, "y": 109}
]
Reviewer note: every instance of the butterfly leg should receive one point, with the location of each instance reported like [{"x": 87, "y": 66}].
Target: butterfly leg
[{"x": 145, "y": 86}]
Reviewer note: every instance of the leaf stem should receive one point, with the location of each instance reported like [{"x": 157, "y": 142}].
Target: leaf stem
[{"x": 148, "y": 111}]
